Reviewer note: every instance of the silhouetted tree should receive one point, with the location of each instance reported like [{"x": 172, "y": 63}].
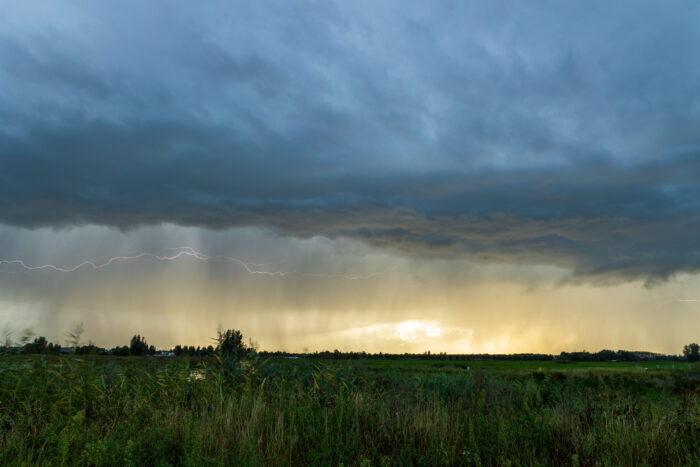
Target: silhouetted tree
[
  {"x": 692, "y": 352},
  {"x": 89, "y": 349},
  {"x": 122, "y": 351},
  {"x": 54, "y": 349},
  {"x": 138, "y": 346},
  {"x": 39, "y": 345},
  {"x": 230, "y": 344}
]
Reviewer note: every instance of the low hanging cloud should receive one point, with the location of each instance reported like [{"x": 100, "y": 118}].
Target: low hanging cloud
[{"x": 563, "y": 135}]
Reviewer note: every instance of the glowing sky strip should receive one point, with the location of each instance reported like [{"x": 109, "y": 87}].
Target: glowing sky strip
[{"x": 188, "y": 251}]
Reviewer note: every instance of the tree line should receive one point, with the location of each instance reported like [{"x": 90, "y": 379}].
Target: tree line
[
  {"x": 230, "y": 342},
  {"x": 601, "y": 356}
]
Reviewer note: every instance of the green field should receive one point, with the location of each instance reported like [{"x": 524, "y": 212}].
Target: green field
[
  {"x": 527, "y": 366},
  {"x": 101, "y": 410}
]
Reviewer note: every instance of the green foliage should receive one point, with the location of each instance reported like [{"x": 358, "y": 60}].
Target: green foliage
[
  {"x": 193, "y": 351},
  {"x": 138, "y": 346},
  {"x": 102, "y": 410},
  {"x": 122, "y": 351},
  {"x": 41, "y": 345},
  {"x": 230, "y": 344},
  {"x": 692, "y": 352}
]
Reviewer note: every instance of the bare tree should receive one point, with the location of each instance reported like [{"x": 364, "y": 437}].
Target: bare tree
[
  {"x": 26, "y": 336},
  {"x": 74, "y": 336},
  {"x": 7, "y": 337},
  {"x": 252, "y": 345}
]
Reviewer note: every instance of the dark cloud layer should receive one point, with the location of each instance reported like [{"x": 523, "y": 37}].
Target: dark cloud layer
[{"x": 556, "y": 134}]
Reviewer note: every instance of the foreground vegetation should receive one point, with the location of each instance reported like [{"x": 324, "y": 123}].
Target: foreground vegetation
[{"x": 102, "y": 410}]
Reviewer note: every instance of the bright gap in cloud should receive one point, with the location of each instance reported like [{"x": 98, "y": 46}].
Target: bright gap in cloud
[{"x": 416, "y": 330}]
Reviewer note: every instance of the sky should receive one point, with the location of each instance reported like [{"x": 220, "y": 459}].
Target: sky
[{"x": 396, "y": 176}]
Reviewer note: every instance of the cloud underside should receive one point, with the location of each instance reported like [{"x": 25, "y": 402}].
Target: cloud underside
[
  {"x": 623, "y": 228},
  {"x": 565, "y": 135}
]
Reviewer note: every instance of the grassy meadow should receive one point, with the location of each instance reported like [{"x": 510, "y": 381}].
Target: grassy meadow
[
  {"x": 103, "y": 410},
  {"x": 524, "y": 366}
]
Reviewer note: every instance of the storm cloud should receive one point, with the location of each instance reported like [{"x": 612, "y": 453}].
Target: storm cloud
[{"x": 556, "y": 134}]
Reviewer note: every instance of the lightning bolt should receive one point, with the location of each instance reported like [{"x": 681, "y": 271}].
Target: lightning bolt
[
  {"x": 251, "y": 268},
  {"x": 255, "y": 268},
  {"x": 188, "y": 251},
  {"x": 94, "y": 265}
]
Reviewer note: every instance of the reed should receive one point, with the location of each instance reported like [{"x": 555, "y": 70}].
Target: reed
[{"x": 181, "y": 411}]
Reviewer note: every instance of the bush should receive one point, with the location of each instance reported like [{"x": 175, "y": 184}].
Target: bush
[
  {"x": 692, "y": 352},
  {"x": 230, "y": 344},
  {"x": 138, "y": 346}
]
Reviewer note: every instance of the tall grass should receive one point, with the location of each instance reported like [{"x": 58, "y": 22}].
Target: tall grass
[{"x": 109, "y": 411}]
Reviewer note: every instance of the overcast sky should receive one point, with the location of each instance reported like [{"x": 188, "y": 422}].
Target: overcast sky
[{"x": 552, "y": 144}]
